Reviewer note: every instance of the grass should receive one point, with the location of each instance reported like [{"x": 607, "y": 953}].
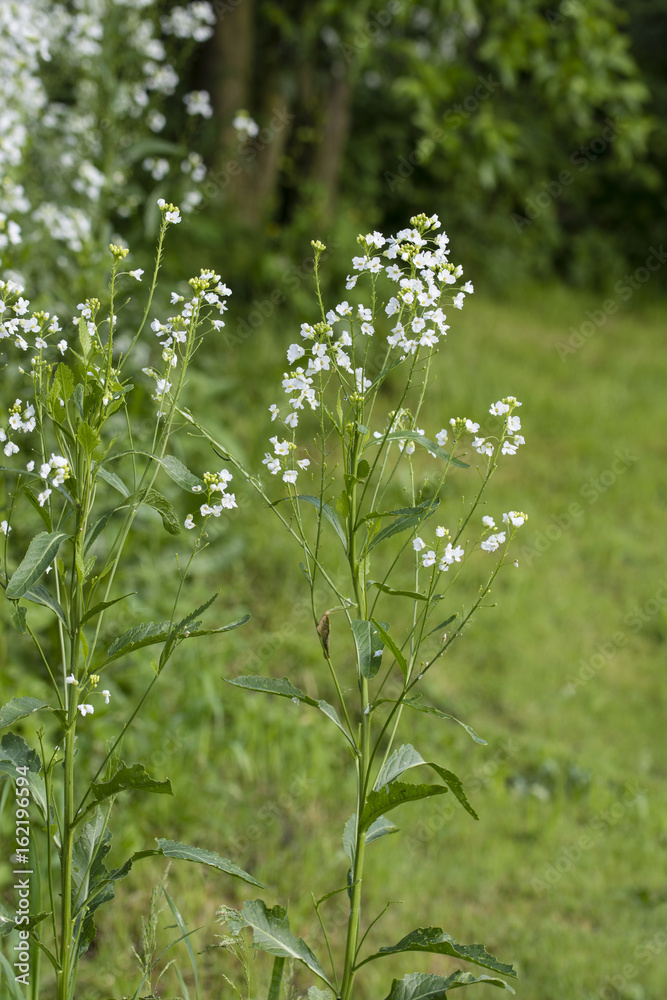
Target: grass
[{"x": 564, "y": 679}]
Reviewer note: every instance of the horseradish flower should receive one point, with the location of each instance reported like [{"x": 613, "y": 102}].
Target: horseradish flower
[
  {"x": 491, "y": 543},
  {"x": 5, "y": 527},
  {"x": 515, "y": 517},
  {"x": 137, "y": 273},
  {"x": 86, "y": 709},
  {"x": 418, "y": 544}
]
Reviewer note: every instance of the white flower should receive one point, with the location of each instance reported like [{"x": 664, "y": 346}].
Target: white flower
[
  {"x": 498, "y": 408},
  {"x": 344, "y": 308},
  {"x": 5, "y": 527},
  {"x": 513, "y": 424},
  {"x": 441, "y": 532},
  {"x": 367, "y": 329},
  {"x": 198, "y": 102},
  {"x": 86, "y": 709},
  {"x": 491, "y": 543},
  {"x": 515, "y": 517},
  {"x": 189, "y": 523},
  {"x": 174, "y": 216},
  {"x": 137, "y": 273},
  {"x": 273, "y": 410},
  {"x": 441, "y": 437},
  {"x": 351, "y": 281},
  {"x": 488, "y": 521},
  {"x": 43, "y": 497},
  {"x": 393, "y": 272},
  {"x": 482, "y": 446},
  {"x": 289, "y": 476},
  {"x": 418, "y": 544},
  {"x": 472, "y": 426},
  {"x": 428, "y": 559},
  {"x": 62, "y": 346},
  {"x": 294, "y": 352},
  {"x": 362, "y": 382},
  {"x": 107, "y": 696},
  {"x": 71, "y": 679},
  {"x": 10, "y": 448},
  {"x": 451, "y": 554},
  {"x": 303, "y": 463}
]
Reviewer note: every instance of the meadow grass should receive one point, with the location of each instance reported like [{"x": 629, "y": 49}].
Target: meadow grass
[{"x": 564, "y": 679}]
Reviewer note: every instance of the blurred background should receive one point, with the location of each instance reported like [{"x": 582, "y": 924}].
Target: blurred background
[{"x": 538, "y": 133}]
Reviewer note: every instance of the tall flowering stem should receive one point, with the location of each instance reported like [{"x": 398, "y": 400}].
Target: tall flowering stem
[
  {"x": 377, "y": 476},
  {"x": 87, "y": 478}
]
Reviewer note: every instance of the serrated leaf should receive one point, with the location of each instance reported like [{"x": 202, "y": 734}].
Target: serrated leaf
[
  {"x": 389, "y": 642},
  {"x": 434, "y": 941},
  {"x": 393, "y": 795},
  {"x": 136, "y": 776},
  {"x": 88, "y": 438},
  {"x": 429, "y": 710},
  {"x": 406, "y": 757},
  {"x": 272, "y": 934},
  {"x": 39, "y": 594},
  {"x": 424, "y": 986},
  {"x": 425, "y": 442},
  {"x": 369, "y": 646},
  {"x": 41, "y": 552},
  {"x": 180, "y": 474},
  {"x": 407, "y": 518},
  {"x": 272, "y": 685},
  {"x": 18, "y": 708}
]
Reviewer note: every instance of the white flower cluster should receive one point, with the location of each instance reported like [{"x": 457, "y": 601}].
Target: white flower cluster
[
  {"x": 444, "y": 559},
  {"x": 79, "y": 47},
  {"x": 513, "y": 519},
  {"x": 245, "y": 126},
  {"x": 511, "y": 439},
  {"x": 216, "y": 483}
]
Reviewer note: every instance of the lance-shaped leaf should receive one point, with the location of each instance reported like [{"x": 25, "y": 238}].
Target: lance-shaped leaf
[
  {"x": 180, "y": 474},
  {"x": 91, "y": 886},
  {"x": 423, "y": 986},
  {"x": 103, "y": 605},
  {"x": 369, "y": 645},
  {"x": 41, "y": 552},
  {"x": 40, "y": 595},
  {"x": 389, "y": 642},
  {"x": 126, "y": 777},
  {"x": 112, "y": 479},
  {"x": 271, "y": 933},
  {"x": 155, "y": 632},
  {"x": 14, "y": 754},
  {"x": 158, "y": 502},
  {"x": 284, "y": 688},
  {"x": 408, "y": 517},
  {"x": 326, "y": 511},
  {"x": 434, "y": 941},
  {"x": 393, "y": 795},
  {"x": 18, "y": 708},
  {"x": 425, "y": 442},
  {"x": 412, "y": 594},
  {"x": 8, "y": 923},
  {"x": 429, "y": 710},
  {"x": 406, "y": 757},
  {"x": 199, "y": 855}
]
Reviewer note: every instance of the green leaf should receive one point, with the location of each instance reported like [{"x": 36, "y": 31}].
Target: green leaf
[
  {"x": 154, "y": 499},
  {"x": 425, "y": 986},
  {"x": 393, "y": 795},
  {"x": 180, "y": 474},
  {"x": 78, "y": 398},
  {"x": 315, "y": 994},
  {"x": 425, "y": 442},
  {"x": 14, "y": 754},
  {"x": 40, "y": 595},
  {"x": 412, "y": 594},
  {"x": 406, "y": 757},
  {"x": 185, "y": 852},
  {"x": 137, "y": 637},
  {"x": 343, "y": 505},
  {"x": 429, "y": 710},
  {"x": 62, "y": 387},
  {"x": 18, "y": 619},
  {"x": 434, "y": 941},
  {"x": 362, "y": 470},
  {"x": 382, "y": 827},
  {"x": 326, "y": 511},
  {"x": 388, "y": 641},
  {"x": 41, "y": 552},
  {"x": 271, "y": 933},
  {"x": 103, "y": 605},
  {"x": 126, "y": 777},
  {"x": 18, "y": 708},
  {"x": 88, "y": 438},
  {"x": 408, "y": 517},
  {"x": 272, "y": 685},
  {"x": 84, "y": 338},
  {"x": 369, "y": 646},
  {"x": 112, "y": 480}
]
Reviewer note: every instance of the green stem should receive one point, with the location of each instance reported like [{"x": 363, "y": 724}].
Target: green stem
[{"x": 276, "y": 978}]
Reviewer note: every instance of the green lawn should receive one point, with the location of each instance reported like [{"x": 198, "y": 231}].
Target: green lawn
[{"x": 564, "y": 875}]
